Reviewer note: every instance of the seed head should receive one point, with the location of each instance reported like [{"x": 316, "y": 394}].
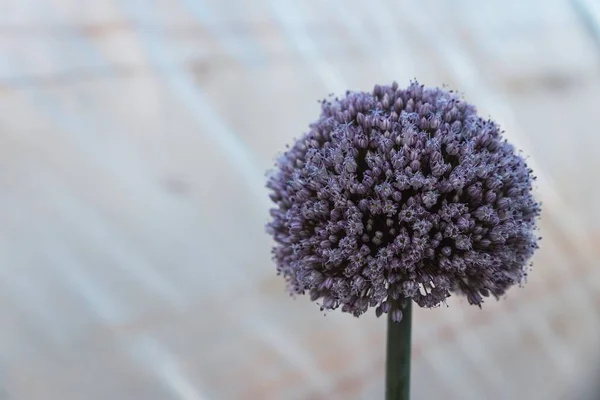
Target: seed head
[{"x": 401, "y": 194}]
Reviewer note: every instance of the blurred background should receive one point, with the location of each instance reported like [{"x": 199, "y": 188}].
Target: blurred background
[{"x": 134, "y": 139}]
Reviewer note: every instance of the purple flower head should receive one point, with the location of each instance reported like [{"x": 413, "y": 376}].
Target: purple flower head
[{"x": 401, "y": 194}]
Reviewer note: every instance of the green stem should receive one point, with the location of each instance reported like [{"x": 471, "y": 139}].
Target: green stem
[{"x": 397, "y": 374}]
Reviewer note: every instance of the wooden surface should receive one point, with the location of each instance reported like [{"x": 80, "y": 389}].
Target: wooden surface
[{"x": 134, "y": 140}]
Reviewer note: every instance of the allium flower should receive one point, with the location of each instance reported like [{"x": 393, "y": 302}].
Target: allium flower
[{"x": 401, "y": 194}]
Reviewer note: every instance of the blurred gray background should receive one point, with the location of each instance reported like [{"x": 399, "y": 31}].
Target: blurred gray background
[{"x": 134, "y": 138}]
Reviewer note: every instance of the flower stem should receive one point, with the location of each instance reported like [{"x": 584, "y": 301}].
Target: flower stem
[{"x": 397, "y": 380}]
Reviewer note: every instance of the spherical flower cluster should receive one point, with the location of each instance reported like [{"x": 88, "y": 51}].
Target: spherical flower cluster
[{"x": 401, "y": 194}]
